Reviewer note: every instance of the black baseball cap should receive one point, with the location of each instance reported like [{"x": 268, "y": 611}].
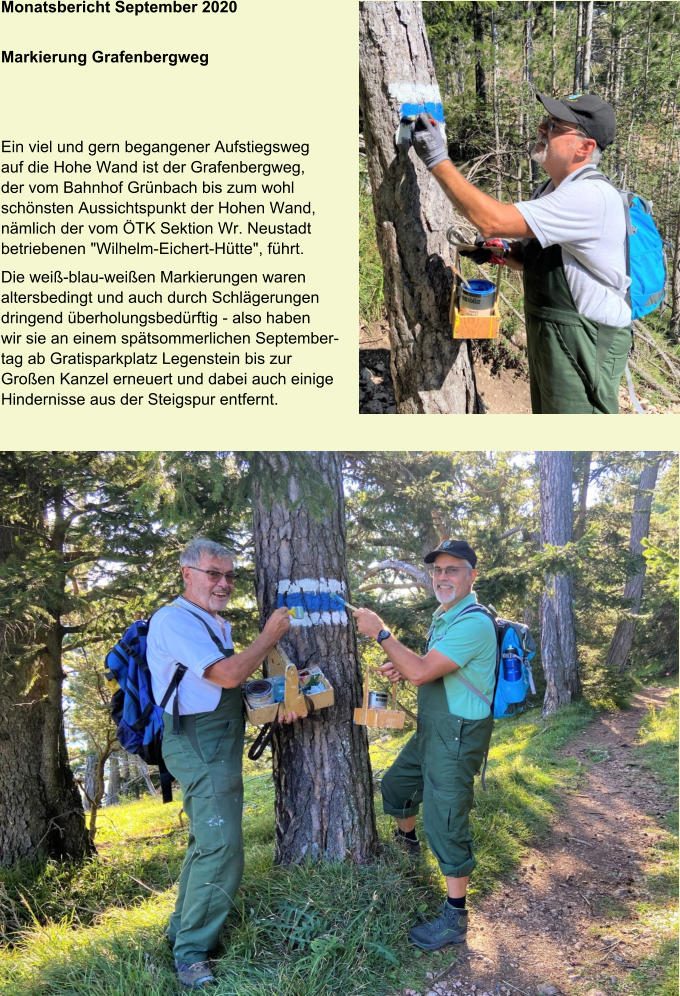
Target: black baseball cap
[
  {"x": 454, "y": 548},
  {"x": 593, "y": 115}
]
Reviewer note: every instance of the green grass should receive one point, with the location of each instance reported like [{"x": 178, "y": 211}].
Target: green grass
[
  {"x": 370, "y": 264},
  {"x": 310, "y": 930}
]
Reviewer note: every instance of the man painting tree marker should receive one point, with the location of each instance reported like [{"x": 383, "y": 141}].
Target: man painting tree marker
[
  {"x": 438, "y": 764},
  {"x": 571, "y": 248}
]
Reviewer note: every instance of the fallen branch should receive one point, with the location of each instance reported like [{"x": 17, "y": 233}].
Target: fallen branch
[{"x": 652, "y": 383}]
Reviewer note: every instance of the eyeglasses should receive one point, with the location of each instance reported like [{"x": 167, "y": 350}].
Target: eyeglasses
[
  {"x": 447, "y": 572},
  {"x": 554, "y": 125},
  {"x": 229, "y": 577}
]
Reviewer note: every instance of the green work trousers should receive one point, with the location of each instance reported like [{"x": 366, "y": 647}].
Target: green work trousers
[
  {"x": 575, "y": 364},
  {"x": 437, "y": 767},
  {"x": 206, "y": 759}
]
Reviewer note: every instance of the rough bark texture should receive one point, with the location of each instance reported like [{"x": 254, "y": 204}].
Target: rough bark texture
[
  {"x": 40, "y": 806},
  {"x": 322, "y": 775},
  {"x": 618, "y": 655},
  {"x": 558, "y": 639},
  {"x": 431, "y": 371}
]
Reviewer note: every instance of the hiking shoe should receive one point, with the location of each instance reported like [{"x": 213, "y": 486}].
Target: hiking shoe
[
  {"x": 408, "y": 846},
  {"x": 194, "y": 976},
  {"x": 450, "y": 927}
]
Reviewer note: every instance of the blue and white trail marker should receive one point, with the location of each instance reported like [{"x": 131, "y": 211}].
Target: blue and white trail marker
[{"x": 321, "y": 599}]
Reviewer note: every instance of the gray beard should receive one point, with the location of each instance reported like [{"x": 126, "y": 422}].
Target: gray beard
[{"x": 538, "y": 155}]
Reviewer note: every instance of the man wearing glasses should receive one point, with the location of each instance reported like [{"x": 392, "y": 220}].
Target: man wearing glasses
[
  {"x": 203, "y": 744},
  {"x": 572, "y": 251},
  {"x": 438, "y": 765}
]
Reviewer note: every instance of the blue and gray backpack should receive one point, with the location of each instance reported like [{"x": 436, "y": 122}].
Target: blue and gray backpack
[
  {"x": 137, "y": 717},
  {"x": 515, "y": 646},
  {"x": 515, "y": 649}
]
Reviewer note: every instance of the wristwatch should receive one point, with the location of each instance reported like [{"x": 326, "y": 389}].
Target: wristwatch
[{"x": 382, "y": 635}]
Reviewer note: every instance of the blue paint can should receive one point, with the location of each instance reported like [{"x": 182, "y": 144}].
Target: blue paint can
[{"x": 478, "y": 297}]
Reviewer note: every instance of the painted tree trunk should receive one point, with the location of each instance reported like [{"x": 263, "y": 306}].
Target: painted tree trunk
[
  {"x": 432, "y": 372},
  {"x": 618, "y": 655},
  {"x": 322, "y": 775},
  {"x": 558, "y": 639}
]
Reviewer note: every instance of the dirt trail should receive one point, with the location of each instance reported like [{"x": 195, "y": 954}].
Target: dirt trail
[{"x": 565, "y": 924}]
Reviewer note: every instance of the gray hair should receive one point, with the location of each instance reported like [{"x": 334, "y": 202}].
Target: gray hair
[
  {"x": 198, "y": 547},
  {"x": 595, "y": 156}
]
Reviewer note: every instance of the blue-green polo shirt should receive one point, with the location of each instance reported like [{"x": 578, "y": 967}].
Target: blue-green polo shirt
[{"x": 471, "y": 644}]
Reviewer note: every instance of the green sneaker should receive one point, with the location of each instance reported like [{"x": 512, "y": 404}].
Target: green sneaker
[
  {"x": 196, "y": 975},
  {"x": 450, "y": 927}
]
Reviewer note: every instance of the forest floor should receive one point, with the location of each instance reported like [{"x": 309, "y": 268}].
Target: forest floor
[
  {"x": 567, "y": 922},
  {"x": 504, "y": 391}
]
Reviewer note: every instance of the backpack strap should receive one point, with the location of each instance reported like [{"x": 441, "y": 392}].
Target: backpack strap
[
  {"x": 594, "y": 174},
  {"x": 468, "y": 684},
  {"x": 181, "y": 671}
]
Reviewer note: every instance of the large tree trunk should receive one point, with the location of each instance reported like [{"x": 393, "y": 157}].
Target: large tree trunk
[
  {"x": 41, "y": 811},
  {"x": 431, "y": 371},
  {"x": 322, "y": 775},
  {"x": 558, "y": 639},
  {"x": 618, "y": 655}
]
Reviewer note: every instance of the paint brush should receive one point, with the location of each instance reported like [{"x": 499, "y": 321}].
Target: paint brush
[
  {"x": 347, "y": 604},
  {"x": 460, "y": 276}
]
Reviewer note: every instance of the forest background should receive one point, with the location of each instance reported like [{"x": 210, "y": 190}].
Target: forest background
[
  {"x": 490, "y": 61},
  {"x": 91, "y": 540}
]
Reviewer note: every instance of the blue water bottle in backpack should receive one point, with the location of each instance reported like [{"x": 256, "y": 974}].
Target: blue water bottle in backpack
[{"x": 514, "y": 690}]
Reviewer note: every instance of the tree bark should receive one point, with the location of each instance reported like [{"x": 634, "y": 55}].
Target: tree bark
[
  {"x": 113, "y": 787},
  {"x": 553, "y": 49},
  {"x": 431, "y": 372},
  {"x": 322, "y": 775},
  {"x": 578, "y": 50},
  {"x": 480, "y": 72},
  {"x": 558, "y": 639},
  {"x": 580, "y": 528},
  {"x": 618, "y": 655},
  {"x": 496, "y": 108},
  {"x": 588, "y": 46}
]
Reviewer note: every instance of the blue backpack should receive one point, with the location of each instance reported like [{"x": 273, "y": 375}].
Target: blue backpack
[
  {"x": 645, "y": 258},
  {"x": 138, "y": 719},
  {"x": 515, "y": 647}
]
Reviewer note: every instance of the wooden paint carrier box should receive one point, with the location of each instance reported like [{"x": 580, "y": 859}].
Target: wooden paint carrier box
[
  {"x": 389, "y": 719},
  {"x": 468, "y": 325},
  {"x": 279, "y": 664}
]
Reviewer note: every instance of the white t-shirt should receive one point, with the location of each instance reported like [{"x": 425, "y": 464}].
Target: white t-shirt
[
  {"x": 177, "y": 636},
  {"x": 587, "y": 219}
]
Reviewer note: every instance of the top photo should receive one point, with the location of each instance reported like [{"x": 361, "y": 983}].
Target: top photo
[{"x": 519, "y": 191}]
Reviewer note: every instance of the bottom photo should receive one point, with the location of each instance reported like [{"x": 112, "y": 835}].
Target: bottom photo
[{"x": 302, "y": 723}]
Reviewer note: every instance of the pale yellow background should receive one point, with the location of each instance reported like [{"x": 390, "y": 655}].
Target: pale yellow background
[{"x": 278, "y": 72}]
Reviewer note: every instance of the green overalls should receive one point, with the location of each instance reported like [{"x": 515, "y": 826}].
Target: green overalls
[
  {"x": 206, "y": 758},
  {"x": 437, "y": 767},
  {"x": 575, "y": 364}
]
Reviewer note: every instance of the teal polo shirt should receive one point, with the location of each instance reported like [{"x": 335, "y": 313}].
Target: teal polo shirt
[{"x": 471, "y": 644}]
